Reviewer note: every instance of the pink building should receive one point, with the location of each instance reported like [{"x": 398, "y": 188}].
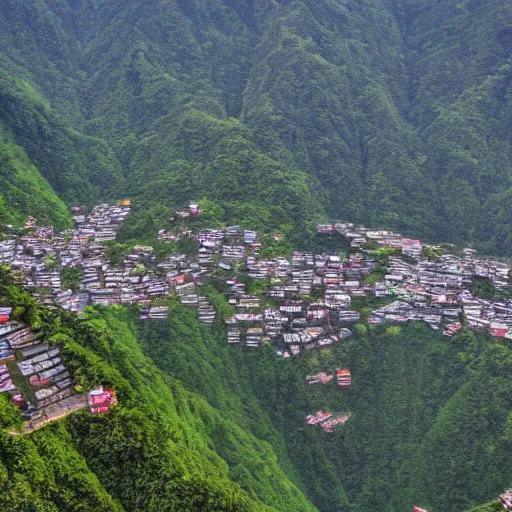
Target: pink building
[{"x": 411, "y": 247}]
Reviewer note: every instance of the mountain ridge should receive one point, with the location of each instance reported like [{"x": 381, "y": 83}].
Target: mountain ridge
[{"x": 397, "y": 110}]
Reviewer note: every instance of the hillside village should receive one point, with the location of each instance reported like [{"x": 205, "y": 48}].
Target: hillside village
[
  {"x": 300, "y": 303},
  {"x": 437, "y": 291},
  {"x": 35, "y": 374}
]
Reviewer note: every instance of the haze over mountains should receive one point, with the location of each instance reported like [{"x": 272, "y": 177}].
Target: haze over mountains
[{"x": 395, "y": 113}]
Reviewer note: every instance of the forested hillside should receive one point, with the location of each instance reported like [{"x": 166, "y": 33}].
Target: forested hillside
[
  {"x": 275, "y": 115},
  {"x": 163, "y": 448},
  {"x": 391, "y": 113},
  {"x": 431, "y": 421},
  {"x": 430, "y": 424}
]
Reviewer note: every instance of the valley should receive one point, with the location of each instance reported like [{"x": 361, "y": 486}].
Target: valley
[{"x": 255, "y": 255}]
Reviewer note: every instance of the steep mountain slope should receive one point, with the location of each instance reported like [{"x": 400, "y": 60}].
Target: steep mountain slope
[
  {"x": 24, "y": 192},
  {"x": 397, "y": 110},
  {"x": 327, "y": 85},
  {"x": 162, "y": 448},
  {"x": 460, "y": 57},
  {"x": 79, "y": 168},
  {"x": 228, "y": 379},
  {"x": 431, "y": 415}
]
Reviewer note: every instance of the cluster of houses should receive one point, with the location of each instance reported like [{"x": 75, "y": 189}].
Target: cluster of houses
[
  {"x": 437, "y": 292},
  {"x": 285, "y": 314},
  {"x": 306, "y": 303},
  {"x": 35, "y": 375},
  {"x": 343, "y": 378},
  {"x": 307, "y": 299},
  {"x": 327, "y": 420},
  {"x": 39, "y": 257},
  {"x": 360, "y": 237},
  {"x": 506, "y": 500}
]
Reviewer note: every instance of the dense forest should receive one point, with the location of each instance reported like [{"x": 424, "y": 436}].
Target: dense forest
[{"x": 389, "y": 113}]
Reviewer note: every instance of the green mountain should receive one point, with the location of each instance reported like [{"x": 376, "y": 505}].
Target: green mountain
[
  {"x": 204, "y": 426},
  {"x": 391, "y": 113},
  {"x": 489, "y": 507},
  {"x": 278, "y": 114}
]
